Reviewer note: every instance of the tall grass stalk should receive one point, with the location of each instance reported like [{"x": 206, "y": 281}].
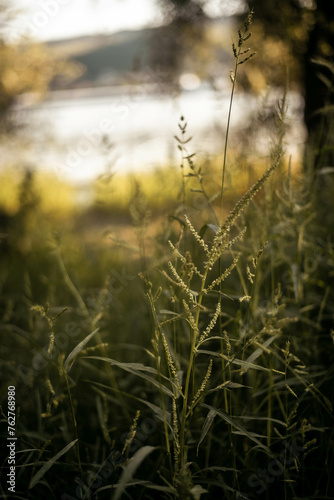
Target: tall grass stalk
[
  {"x": 193, "y": 301},
  {"x": 240, "y": 57},
  {"x": 238, "y": 53}
]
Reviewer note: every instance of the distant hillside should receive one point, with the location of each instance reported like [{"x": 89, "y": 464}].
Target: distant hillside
[
  {"x": 108, "y": 57},
  {"x": 118, "y": 55}
]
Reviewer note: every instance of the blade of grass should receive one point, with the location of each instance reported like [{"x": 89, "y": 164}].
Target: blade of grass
[{"x": 49, "y": 464}]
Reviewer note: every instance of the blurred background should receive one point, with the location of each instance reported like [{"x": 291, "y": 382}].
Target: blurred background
[
  {"x": 93, "y": 85},
  {"x": 92, "y": 91}
]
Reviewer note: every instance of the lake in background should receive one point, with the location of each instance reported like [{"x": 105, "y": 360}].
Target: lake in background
[{"x": 132, "y": 129}]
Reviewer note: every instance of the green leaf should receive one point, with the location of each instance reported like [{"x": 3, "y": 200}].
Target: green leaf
[
  {"x": 229, "y": 385},
  {"x": 235, "y": 424},
  {"x": 73, "y": 354},
  {"x": 130, "y": 469},
  {"x": 167, "y": 311},
  {"x": 49, "y": 464},
  {"x": 137, "y": 369},
  {"x": 206, "y": 426},
  {"x": 260, "y": 350},
  {"x": 236, "y": 361},
  {"x": 215, "y": 337},
  {"x": 162, "y": 415},
  {"x": 246, "y": 417}
]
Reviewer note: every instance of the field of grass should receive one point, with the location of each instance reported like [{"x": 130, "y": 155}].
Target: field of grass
[{"x": 174, "y": 340}]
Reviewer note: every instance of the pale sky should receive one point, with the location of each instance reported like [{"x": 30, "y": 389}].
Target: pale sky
[{"x": 55, "y": 19}]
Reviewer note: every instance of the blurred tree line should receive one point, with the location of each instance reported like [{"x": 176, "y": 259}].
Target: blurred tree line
[
  {"x": 25, "y": 67},
  {"x": 294, "y": 37}
]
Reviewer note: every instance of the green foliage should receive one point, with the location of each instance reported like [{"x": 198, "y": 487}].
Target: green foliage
[{"x": 26, "y": 67}]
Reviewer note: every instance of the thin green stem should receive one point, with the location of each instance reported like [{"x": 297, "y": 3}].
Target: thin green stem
[
  {"x": 189, "y": 371},
  {"x": 237, "y": 54},
  {"x": 226, "y": 142},
  {"x": 156, "y": 344},
  {"x": 74, "y": 421},
  {"x": 269, "y": 423}
]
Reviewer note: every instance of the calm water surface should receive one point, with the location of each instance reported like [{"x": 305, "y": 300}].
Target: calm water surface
[{"x": 131, "y": 129}]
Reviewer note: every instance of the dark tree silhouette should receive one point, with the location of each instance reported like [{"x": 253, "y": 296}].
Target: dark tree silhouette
[
  {"x": 319, "y": 83},
  {"x": 179, "y": 37},
  {"x": 307, "y": 28}
]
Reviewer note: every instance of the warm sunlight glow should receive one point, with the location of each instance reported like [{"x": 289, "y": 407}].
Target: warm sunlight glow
[{"x": 189, "y": 81}]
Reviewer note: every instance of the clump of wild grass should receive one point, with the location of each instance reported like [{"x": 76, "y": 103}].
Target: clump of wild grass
[{"x": 193, "y": 290}]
